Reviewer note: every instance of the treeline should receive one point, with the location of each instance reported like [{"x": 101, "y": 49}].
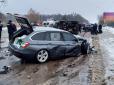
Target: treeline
[
  {"x": 69, "y": 17},
  {"x": 35, "y": 17}
]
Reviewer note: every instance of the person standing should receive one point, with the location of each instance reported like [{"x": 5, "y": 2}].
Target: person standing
[
  {"x": 1, "y": 25},
  {"x": 95, "y": 29},
  {"x": 80, "y": 28},
  {"x": 100, "y": 28},
  {"x": 76, "y": 29},
  {"x": 11, "y": 29}
]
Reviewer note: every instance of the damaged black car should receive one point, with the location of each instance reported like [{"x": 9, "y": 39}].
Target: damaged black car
[{"x": 43, "y": 43}]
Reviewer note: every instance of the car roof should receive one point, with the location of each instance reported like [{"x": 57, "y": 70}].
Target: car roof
[{"x": 42, "y": 29}]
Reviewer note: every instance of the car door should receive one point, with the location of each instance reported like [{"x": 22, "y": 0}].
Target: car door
[
  {"x": 71, "y": 44},
  {"x": 56, "y": 44}
]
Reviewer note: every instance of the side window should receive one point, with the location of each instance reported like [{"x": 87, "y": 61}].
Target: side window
[
  {"x": 47, "y": 36},
  {"x": 68, "y": 37},
  {"x": 39, "y": 36},
  {"x": 55, "y": 36}
]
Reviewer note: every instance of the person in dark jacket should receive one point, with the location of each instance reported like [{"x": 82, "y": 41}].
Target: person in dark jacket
[
  {"x": 11, "y": 29},
  {"x": 80, "y": 28},
  {"x": 1, "y": 25},
  {"x": 100, "y": 28},
  {"x": 95, "y": 29}
]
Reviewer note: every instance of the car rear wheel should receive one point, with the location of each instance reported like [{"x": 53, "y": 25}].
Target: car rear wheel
[{"x": 42, "y": 56}]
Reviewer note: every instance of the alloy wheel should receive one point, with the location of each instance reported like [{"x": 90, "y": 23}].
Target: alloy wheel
[{"x": 42, "y": 56}]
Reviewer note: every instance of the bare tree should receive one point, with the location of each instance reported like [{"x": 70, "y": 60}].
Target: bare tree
[{"x": 33, "y": 16}]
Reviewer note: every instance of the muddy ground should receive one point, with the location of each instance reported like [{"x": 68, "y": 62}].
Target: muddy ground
[{"x": 82, "y": 70}]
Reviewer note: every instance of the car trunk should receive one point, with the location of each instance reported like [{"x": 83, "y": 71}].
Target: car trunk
[{"x": 26, "y": 28}]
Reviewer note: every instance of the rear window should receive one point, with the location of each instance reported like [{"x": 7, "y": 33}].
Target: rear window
[
  {"x": 22, "y": 21},
  {"x": 40, "y": 36}
]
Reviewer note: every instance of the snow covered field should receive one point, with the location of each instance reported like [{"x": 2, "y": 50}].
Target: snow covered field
[{"x": 107, "y": 46}]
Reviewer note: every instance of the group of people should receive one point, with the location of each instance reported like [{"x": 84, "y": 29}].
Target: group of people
[
  {"x": 75, "y": 28},
  {"x": 96, "y": 29},
  {"x": 11, "y": 29}
]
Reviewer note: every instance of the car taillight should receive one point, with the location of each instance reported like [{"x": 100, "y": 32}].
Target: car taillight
[{"x": 25, "y": 45}]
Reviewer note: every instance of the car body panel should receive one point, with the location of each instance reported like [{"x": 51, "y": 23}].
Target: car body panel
[
  {"x": 26, "y": 54},
  {"x": 72, "y": 48}
]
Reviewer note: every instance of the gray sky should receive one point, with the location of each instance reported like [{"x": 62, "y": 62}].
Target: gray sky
[{"x": 87, "y": 8}]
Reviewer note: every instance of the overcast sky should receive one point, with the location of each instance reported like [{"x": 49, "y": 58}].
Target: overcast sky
[{"x": 90, "y": 9}]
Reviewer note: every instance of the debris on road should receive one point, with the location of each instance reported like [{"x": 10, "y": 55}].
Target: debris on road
[{"x": 5, "y": 70}]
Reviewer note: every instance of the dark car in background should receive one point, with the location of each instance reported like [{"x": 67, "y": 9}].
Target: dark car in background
[{"x": 43, "y": 43}]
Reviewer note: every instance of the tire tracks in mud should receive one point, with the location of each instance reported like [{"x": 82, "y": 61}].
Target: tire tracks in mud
[
  {"x": 67, "y": 74},
  {"x": 68, "y": 68}
]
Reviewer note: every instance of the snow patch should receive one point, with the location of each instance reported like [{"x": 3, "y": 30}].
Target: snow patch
[
  {"x": 109, "y": 29},
  {"x": 107, "y": 44}
]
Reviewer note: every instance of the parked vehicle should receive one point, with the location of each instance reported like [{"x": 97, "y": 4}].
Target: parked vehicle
[{"x": 43, "y": 43}]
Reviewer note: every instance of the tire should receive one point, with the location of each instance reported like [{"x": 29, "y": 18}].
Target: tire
[
  {"x": 42, "y": 56},
  {"x": 85, "y": 48}
]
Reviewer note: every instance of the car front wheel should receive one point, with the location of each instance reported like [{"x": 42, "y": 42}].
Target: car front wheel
[
  {"x": 42, "y": 56},
  {"x": 85, "y": 48}
]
